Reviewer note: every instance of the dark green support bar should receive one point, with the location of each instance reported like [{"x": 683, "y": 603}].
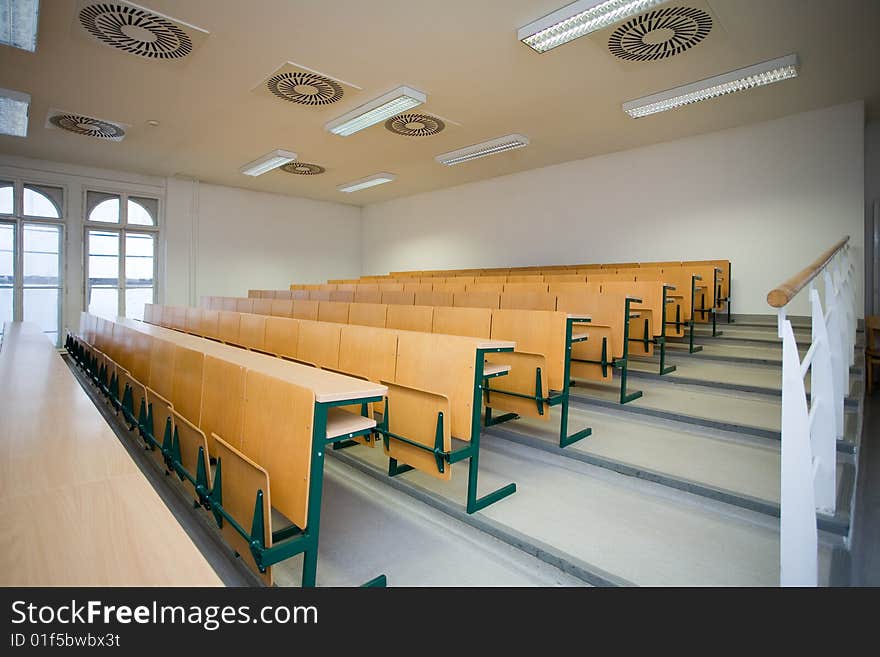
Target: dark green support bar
[
  {"x": 623, "y": 363},
  {"x": 692, "y": 322},
  {"x": 661, "y": 341}
]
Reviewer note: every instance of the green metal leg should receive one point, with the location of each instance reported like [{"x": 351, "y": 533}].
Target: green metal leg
[
  {"x": 394, "y": 468},
  {"x": 379, "y": 582},
  {"x": 623, "y": 363},
  {"x": 564, "y": 439},
  {"x": 474, "y": 503},
  {"x": 316, "y": 490}
]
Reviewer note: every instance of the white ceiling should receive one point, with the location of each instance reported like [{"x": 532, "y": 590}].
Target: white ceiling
[{"x": 463, "y": 53}]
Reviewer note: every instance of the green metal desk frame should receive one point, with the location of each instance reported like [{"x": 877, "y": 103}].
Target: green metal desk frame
[
  {"x": 553, "y": 398},
  {"x": 286, "y": 542},
  {"x": 660, "y": 340},
  {"x": 716, "y": 297},
  {"x": 471, "y": 451},
  {"x": 619, "y": 363}
]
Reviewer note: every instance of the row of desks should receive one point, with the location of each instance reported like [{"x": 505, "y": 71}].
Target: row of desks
[{"x": 68, "y": 486}]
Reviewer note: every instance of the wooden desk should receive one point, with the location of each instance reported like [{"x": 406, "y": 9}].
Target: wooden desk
[
  {"x": 327, "y": 386},
  {"x": 76, "y": 510}
]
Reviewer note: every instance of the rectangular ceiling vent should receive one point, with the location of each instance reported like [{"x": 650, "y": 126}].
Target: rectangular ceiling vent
[
  {"x": 87, "y": 126},
  {"x": 137, "y": 30}
]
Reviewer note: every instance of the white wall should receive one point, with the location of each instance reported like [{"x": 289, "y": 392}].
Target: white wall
[
  {"x": 770, "y": 197},
  {"x": 224, "y": 241}
]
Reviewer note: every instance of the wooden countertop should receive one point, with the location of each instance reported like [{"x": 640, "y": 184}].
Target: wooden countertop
[{"x": 75, "y": 510}]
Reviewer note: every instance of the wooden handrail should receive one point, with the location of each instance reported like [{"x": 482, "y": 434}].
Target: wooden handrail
[{"x": 781, "y": 295}]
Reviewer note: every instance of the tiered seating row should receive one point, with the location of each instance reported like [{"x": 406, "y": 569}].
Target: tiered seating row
[
  {"x": 259, "y": 417},
  {"x": 622, "y": 323},
  {"x": 435, "y": 382},
  {"x": 541, "y": 365}
]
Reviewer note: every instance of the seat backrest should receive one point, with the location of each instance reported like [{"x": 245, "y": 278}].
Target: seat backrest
[
  {"x": 244, "y": 305},
  {"x": 318, "y": 343},
  {"x": 252, "y": 332},
  {"x": 443, "y": 364},
  {"x": 472, "y": 322},
  {"x": 368, "y": 352},
  {"x": 368, "y": 314},
  {"x": 281, "y": 336},
  {"x": 479, "y": 286},
  {"x": 282, "y": 308},
  {"x": 398, "y": 297},
  {"x": 476, "y": 300},
  {"x": 603, "y": 309},
  {"x": 537, "y": 332},
  {"x": 162, "y": 367},
  {"x": 367, "y": 294},
  {"x": 528, "y": 300},
  {"x": 305, "y": 309},
  {"x": 333, "y": 311},
  {"x": 262, "y": 306},
  {"x": 276, "y": 433},
  {"x": 319, "y": 295},
  {"x": 222, "y": 400},
  {"x": 418, "y": 287},
  {"x": 302, "y": 295},
  {"x": 345, "y": 296},
  {"x": 434, "y": 298},
  {"x": 410, "y": 318},
  {"x": 186, "y": 384},
  {"x": 241, "y": 479},
  {"x": 229, "y": 327}
]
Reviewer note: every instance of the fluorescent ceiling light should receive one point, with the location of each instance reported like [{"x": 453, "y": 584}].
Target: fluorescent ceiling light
[
  {"x": 268, "y": 162},
  {"x": 376, "y": 111},
  {"x": 14, "y": 112},
  {"x": 491, "y": 147},
  {"x": 369, "y": 181},
  {"x": 750, "y": 77},
  {"x": 18, "y": 23},
  {"x": 577, "y": 19}
]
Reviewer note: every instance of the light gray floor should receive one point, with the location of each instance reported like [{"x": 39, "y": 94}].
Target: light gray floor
[
  {"x": 369, "y": 529},
  {"x": 645, "y": 533}
]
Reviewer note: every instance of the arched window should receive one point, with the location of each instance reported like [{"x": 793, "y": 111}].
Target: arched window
[
  {"x": 139, "y": 212},
  {"x": 38, "y": 203},
  {"x": 121, "y": 259},
  {"x": 106, "y": 211}
]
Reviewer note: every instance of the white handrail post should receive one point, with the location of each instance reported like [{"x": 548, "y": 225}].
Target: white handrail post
[
  {"x": 798, "y": 536},
  {"x": 822, "y": 435},
  {"x": 839, "y": 365}
]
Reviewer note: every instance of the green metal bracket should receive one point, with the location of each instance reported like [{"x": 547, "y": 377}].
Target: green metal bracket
[
  {"x": 661, "y": 341},
  {"x": 692, "y": 323}
]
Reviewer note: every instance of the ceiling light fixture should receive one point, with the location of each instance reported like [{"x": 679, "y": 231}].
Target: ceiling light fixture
[
  {"x": 14, "y": 112},
  {"x": 268, "y": 162},
  {"x": 375, "y": 111},
  {"x": 578, "y": 19},
  {"x": 369, "y": 181},
  {"x": 775, "y": 70},
  {"x": 18, "y": 23},
  {"x": 491, "y": 147}
]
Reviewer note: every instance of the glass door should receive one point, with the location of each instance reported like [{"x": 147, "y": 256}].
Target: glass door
[{"x": 7, "y": 273}]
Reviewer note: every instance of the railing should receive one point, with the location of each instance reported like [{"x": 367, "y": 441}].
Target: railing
[{"x": 810, "y": 432}]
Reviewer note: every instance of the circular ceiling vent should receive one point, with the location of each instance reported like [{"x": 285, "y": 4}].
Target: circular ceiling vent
[
  {"x": 303, "y": 168},
  {"x": 660, "y": 34},
  {"x": 135, "y": 31},
  {"x": 85, "y": 125},
  {"x": 414, "y": 125},
  {"x": 305, "y": 88}
]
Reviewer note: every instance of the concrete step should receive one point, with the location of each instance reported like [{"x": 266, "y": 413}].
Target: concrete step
[
  {"x": 746, "y": 413},
  {"x": 735, "y": 376},
  {"x": 609, "y": 527},
  {"x": 721, "y": 465}
]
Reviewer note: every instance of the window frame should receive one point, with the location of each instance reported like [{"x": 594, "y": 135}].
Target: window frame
[
  {"x": 19, "y": 220},
  {"x": 122, "y": 229}
]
